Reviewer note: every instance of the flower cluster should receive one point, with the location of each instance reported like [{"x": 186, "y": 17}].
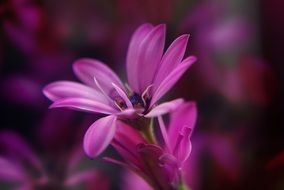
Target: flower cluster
[{"x": 131, "y": 109}]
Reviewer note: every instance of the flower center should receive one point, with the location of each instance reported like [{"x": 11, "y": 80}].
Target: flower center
[{"x": 136, "y": 101}]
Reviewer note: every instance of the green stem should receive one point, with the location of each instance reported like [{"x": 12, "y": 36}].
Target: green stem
[
  {"x": 183, "y": 187},
  {"x": 148, "y": 133}
]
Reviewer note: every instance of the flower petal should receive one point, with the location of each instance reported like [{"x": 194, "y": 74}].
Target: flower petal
[
  {"x": 149, "y": 56},
  {"x": 99, "y": 135},
  {"x": 171, "y": 59},
  {"x": 123, "y": 95},
  {"x": 11, "y": 172},
  {"x": 164, "y": 108},
  {"x": 67, "y": 89},
  {"x": 183, "y": 149},
  {"x": 132, "y": 55},
  {"x": 87, "y": 69},
  {"x": 84, "y": 104},
  {"x": 183, "y": 117},
  {"x": 171, "y": 79},
  {"x": 125, "y": 141}
]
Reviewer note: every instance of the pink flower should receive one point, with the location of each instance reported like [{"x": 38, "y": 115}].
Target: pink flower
[
  {"x": 159, "y": 166},
  {"x": 150, "y": 75},
  {"x": 177, "y": 136}
]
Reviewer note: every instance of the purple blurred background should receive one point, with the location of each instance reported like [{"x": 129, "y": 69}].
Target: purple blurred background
[{"x": 237, "y": 82}]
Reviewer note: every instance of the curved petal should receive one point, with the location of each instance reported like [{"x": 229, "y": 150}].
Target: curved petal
[
  {"x": 171, "y": 59},
  {"x": 84, "y": 104},
  {"x": 99, "y": 135},
  {"x": 164, "y": 108},
  {"x": 123, "y": 95},
  {"x": 182, "y": 119},
  {"x": 87, "y": 69},
  {"x": 183, "y": 149},
  {"x": 171, "y": 79},
  {"x": 149, "y": 56},
  {"x": 128, "y": 113},
  {"x": 132, "y": 55},
  {"x": 68, "y": 89}
]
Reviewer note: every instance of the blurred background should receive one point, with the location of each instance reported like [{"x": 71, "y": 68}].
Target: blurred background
[{"x": 237, "y": 83}]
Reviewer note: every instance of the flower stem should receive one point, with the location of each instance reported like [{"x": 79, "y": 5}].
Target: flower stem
[
  {"x": 148, "y": 133},
  {"x": 183, "y": 187}
]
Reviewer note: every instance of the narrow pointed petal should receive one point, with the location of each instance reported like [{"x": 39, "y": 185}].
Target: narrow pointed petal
[
  {"x": 99, "y": 135},
  {"x": 87, "y": 69},
  {"x": 128, "y": 113},
  {"x": 132, "y": 55},
  {"x": 184, "y": 116},
  {"x": 65, "y": 89},
  {"x": 171, "y": 79},
  {"x": 164, "y": 132},
  {"x": 84, "y": 105},
  {"x": 164, "y": 108},
  {"x": 123, "y": 95},
  {"x": 171, "y": 59},
  {"x": 149, "y": 56}
]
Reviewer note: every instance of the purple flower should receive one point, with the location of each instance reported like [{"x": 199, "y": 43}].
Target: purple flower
[
  {"x": 159, "y": 166},
  {"x": 150, "y": 75}
]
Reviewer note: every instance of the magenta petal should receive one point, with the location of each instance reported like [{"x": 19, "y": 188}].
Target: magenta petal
[
  {"x": 84, "y": 105},
  {"x": 171, "y": 59},
  {"x": 164, "y": 108},
  {"x": 66, "y": 89},
  {"x": 171, "y": 79},
  {"x": 149, "y": 56},
  {"x": 99, "y": 135},
  {"x": 132, "y": 55},
  {"x": 183, "y": 117},
  {"x": 87, "y": 69}
]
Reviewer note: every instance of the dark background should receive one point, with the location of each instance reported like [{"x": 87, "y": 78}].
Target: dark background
[{"x": 237, "y": 80}]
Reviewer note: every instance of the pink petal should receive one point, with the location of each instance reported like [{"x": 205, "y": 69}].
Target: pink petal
[
  {"x": 171, "y": 79},
  {"x": 183, "y": 150},
  {"x": 184, "y": 116},
  {"x": 87, "y": 69},
  {"x": 67, "y": 89},
  {"x": 164, "y": 132},
  {"x": 84, "y": 105},
  {"x": 131, "y": 180},
  {"x": 128, "y": 113},
  {"x": 171, "y": 59},
  {"x": 15, "y": 146},
  {"x": 125, "y": 141},
  {"x": 81, "y": 177},
  {"x": 99, "y": 135},
  {"x": 164, "y": 108},
  {"x": 11, "y": 172},
  {"x": 132, "y": 55},
  {"x": 149, "y": 56},
  {"x": 123, "y": 95}
]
